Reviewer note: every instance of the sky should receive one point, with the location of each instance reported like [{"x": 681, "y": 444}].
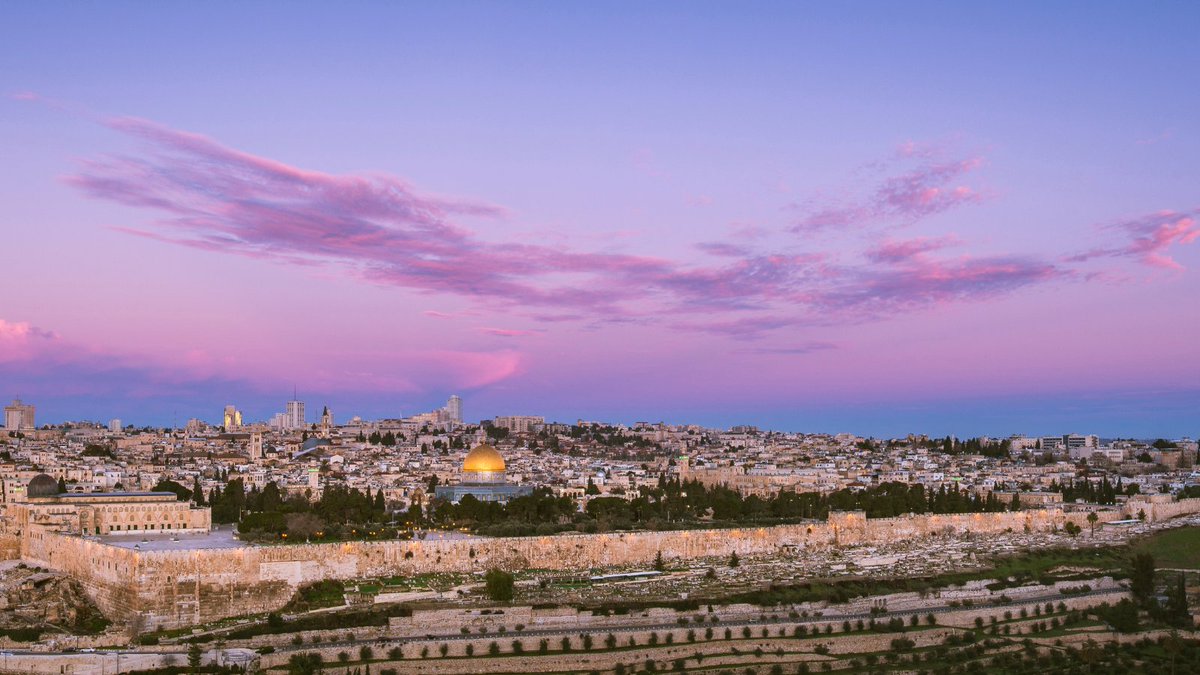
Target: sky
[{"x": 879, "y": 218}]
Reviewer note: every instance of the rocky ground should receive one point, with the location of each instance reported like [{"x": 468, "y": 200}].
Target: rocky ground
[
  {"x": 31, "y": 597},
  {"x": 910, "y": 558}
]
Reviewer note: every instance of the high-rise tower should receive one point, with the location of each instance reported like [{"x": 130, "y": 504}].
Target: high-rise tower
[
  {"x": 232, "y": 418},
  {"x": 454, "y": 409},
  {"x": 295, "y": 413},
  {"x": 18, "y": 416}
]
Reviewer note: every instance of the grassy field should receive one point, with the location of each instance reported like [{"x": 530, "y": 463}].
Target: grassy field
[{"x": 1177, "y": 548}]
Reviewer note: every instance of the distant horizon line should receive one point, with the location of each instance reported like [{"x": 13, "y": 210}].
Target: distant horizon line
[{"x": 756, "y": 427}]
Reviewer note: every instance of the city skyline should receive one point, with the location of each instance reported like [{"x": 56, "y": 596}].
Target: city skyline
[{"x": 795, "y": 218}]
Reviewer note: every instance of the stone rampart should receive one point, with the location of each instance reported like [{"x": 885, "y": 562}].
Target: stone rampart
[
  {"x": 1161, "y": 507},
  {"x": 109, "y": 574},
  {"x": 186, "y": 587}
]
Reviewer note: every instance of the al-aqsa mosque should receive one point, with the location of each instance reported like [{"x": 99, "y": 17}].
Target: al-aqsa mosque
[{"x": 484, "y": 477}]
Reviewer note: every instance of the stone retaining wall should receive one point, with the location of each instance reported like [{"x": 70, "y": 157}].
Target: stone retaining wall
[{"x": 179, "y": 588}]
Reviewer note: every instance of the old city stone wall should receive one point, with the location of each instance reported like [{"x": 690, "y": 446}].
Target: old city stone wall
[
  {"x": 180, "y": 588},
  {"x": 108, "y": 574},
  {"x": 1161, "y": 507},
  {"x": 10, "y": 546}
]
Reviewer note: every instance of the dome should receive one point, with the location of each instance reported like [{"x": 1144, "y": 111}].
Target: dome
[
  {"x": 42, "y": 486},
  {"x": 483, "y": 459}
]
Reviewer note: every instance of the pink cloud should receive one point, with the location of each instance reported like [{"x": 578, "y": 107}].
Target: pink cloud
[
  {"x": 382, "y": 230},
  {"x": 796, "y": 349},
  {"x": 898, "y": 251},
  {"x": 856, "y": 294},
  {"x": 39, "y": 361},
  {"x": 921, "y": 283},
  {"x": 471, "y": 370},
  {"x": 928, "y": 189},
  {"x": 20, "y": 341},
  {"x": 721, "y": 248},
  {"x": 507, "y": 332},
  {"x": 435, "y": 314},
  {"x": 1148, "y": 238}
]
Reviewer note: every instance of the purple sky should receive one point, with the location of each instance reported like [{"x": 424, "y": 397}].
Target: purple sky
[{"x": 892, "y": 218}]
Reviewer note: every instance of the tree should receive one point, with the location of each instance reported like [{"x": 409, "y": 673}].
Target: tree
[
  {"x": 198, "y": 492},
  {"x": 658, "y": 562},
  {"x": 181, "y": 493},
  {"x": 194, "y": 656},
  {"x": 499, "y": 585},
  {"x": 591, "y": 490},
  {"x": 1141, "y": 577},
  {"x": 306, "y": 663},
  {"x": 1092, "y": 518},
  {"x": 1123, "y": 616},
  {"x": 734, "y": 561},
  {"x": 304, "y": 525},
  {"x": 62, "y": 485},
  {"x": 271, "y": 499},
  {"x": 1071, "y": 528},
  {"x": 1177, "y": 607}
]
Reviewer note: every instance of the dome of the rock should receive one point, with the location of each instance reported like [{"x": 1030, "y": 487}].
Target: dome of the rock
[{"x": 484, "y": 459}]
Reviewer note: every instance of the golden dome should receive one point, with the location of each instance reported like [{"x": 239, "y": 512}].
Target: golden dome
[{"x": 483, "y": 459}]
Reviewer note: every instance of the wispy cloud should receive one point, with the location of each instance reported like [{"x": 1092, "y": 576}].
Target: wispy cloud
[
  {"x": 1148, "y": 238},
  {"x": 384, "y": 231},
  {"x": 791, "y": 350},
  {"x": 930, "y": 187},
  {"x": 921, "y": 283},
  {"x": 507, "y": 332},
  {"x": 722, "y": 248},
  {"x": 894, "y": 251}
]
